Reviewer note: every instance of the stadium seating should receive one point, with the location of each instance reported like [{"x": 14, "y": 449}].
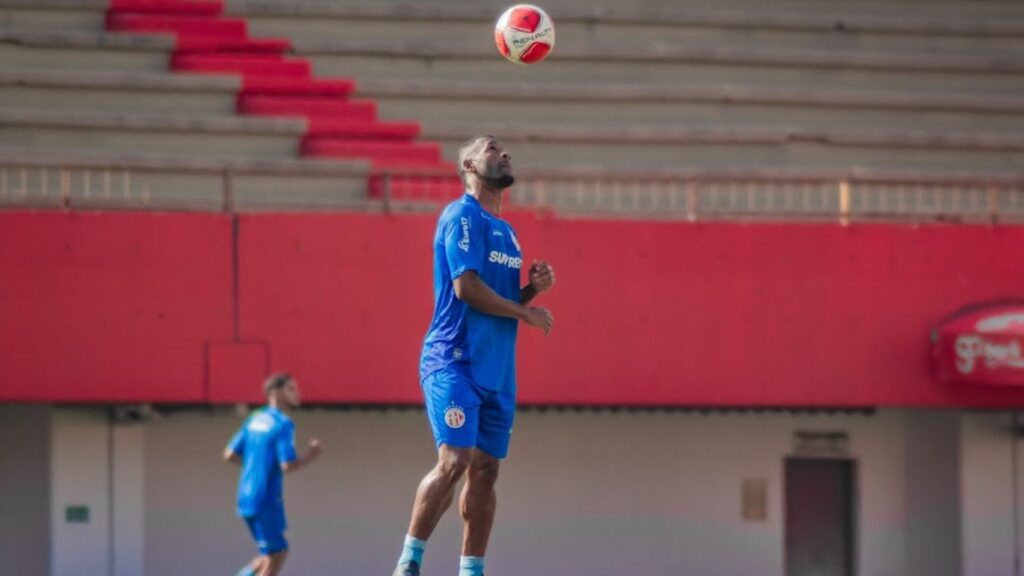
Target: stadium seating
[{"x": 777, "y": 90}]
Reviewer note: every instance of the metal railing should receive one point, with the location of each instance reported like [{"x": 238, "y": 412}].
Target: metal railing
[{"x": 681, "y": 195}]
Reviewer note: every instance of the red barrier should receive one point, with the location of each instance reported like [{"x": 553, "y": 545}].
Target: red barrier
[
  {"x": 111, "y": 306},
  {"x": 128, "y": 306},
  {"x": 646, "y": 313}
]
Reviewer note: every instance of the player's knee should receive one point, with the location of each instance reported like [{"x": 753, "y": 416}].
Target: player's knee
[
  {"x": 484, "y": 471},
  {"x": 276, "y": 560},
  {"x": 453, "y": 463}
]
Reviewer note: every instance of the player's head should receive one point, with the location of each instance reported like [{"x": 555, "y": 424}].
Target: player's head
[
  {"x": 485, "y": 159},
  {"x": 281, "y": 387}
]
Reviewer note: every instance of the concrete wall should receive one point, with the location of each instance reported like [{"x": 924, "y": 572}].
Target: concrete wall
[
  {"x": 933, "y": 493},
  {"x": 990, "y": 509},
  {"x": 600, "y": 493},
  {"x": 594, "y": 493},
  {"x": 24, "y": 489},
  {"x": 128, "y": 498},
  {"x": 80, "y": 477}
]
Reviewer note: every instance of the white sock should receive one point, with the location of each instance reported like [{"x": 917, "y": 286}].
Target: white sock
[{"x": 471, "y": 566}]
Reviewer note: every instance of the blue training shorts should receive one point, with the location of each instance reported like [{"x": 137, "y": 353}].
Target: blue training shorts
[
  {"x": 268, "y": 531},
  {"x": 464, "y": 415}
]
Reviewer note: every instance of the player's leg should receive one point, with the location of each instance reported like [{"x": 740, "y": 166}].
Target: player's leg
[
  {"x": 478, "y": 503},
  {"x": 274, "y": 563},
  {"x": 453, "y": 410},
  {"x": 479, "y": 499},
  {"x": 433, "y": 497},
  {"x": 437, "y": 489},
  {"x": 268, "y": 531},
  {"x": 257, "y": 528},
  {"x": 253, "y": 567}
]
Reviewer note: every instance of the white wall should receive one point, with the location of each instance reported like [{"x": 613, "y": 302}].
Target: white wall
[
  {"x": 582, "y": 493},
  {"x": 987, "y": 494},
  {"x": 79, "y": 461},
  {"x": 600, "y": 493},
  {"x": 128, "y": 499}
]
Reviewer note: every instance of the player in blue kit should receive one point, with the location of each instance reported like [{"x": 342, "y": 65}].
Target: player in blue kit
[
  {"x": 467, "y": 369},
  {"x": 265, "y": 448}
]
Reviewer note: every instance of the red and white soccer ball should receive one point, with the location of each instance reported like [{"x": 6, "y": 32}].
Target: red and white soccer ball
[{"x": 524, "y": 34}]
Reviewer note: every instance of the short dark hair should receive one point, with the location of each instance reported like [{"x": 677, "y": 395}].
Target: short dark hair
[
  {"x": 275, "y": 381},
  {"x": 469, "y": 148}
]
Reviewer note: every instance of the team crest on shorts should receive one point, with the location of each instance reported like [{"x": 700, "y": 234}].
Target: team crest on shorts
[{"x": 454, "y": 417}]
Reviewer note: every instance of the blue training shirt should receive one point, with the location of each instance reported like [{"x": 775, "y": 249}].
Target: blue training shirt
[
  {"x": 470, "y": 238},
  {"x": 265, "y": 441}
]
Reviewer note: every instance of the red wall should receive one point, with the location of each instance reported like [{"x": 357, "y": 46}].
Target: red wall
[
  {"x": 139, "y": 307},
  {"x": 111, "y": 306}
]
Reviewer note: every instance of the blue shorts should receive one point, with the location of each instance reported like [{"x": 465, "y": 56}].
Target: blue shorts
[
  {"x": 464, "y": 415},
  {"x": 268, "y": 531}
]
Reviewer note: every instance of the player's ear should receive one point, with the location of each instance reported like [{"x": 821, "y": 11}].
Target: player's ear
[{"x": 467, "y": 166}]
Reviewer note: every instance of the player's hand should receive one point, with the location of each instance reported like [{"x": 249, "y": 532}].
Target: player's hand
[
  {"x": 315, "y": 448},
  {"x": 542, "y": 276},
  {"x": 540, "y": 318}
]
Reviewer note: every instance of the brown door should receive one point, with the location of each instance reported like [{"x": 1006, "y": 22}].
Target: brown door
[{"x": 819, "y": 517}]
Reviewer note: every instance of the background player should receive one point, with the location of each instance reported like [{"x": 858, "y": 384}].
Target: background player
[{"x": 265, "y": 448}]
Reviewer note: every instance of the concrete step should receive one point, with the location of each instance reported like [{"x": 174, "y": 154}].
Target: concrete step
[
  {"x": 153, "y": 92},
  {"x": 655, "y": 148},
  {"x": 94, "y": 179},
  {"x": 24, "y": 15},
  {"x": 957, "y": 18},
  {"x": 376, "y": 60},
  {"x": 666, "y": 53},
  {"x": 113, "y": 91},
  {"x": 30, "y": 50},
  {"x": 693, "y": 106},
  {"x": 590, "y": 26},
  {"x": 157, "y": 134}
]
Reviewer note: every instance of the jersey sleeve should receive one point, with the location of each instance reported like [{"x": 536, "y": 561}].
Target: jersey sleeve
[
  {"x": 464, "y": 243},
  {"x": 285, "y": 447},
  {"x": 237, "y": 442}
]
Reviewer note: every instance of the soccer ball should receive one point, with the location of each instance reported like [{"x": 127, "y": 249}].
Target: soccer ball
[{"x": 524, "y": 34}]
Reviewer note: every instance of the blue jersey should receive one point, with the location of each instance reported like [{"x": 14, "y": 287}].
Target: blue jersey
[
  {"x": 265, "y": 441},
  {"x": 469, "y": 238}
]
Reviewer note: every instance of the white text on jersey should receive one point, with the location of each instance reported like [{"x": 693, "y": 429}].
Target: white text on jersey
[
  {"x": 506, "y": 260},
  {"x": 464, "y": 243}
]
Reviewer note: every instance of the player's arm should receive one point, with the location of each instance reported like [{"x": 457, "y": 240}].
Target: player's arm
[
  {"x": 232, "y": 457},
  {"x": 472, "y": 290},
  {"x": 465, "y": 250},
  {"x": 233, "y": 451},
  {"x": 286, "y": 452}
]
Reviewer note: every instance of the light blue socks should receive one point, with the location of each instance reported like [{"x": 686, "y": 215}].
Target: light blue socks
[
  {"x": 471, "y": 566},
  {"x": 412, "y": 551},
  {"x": 246, "y": 571}
]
